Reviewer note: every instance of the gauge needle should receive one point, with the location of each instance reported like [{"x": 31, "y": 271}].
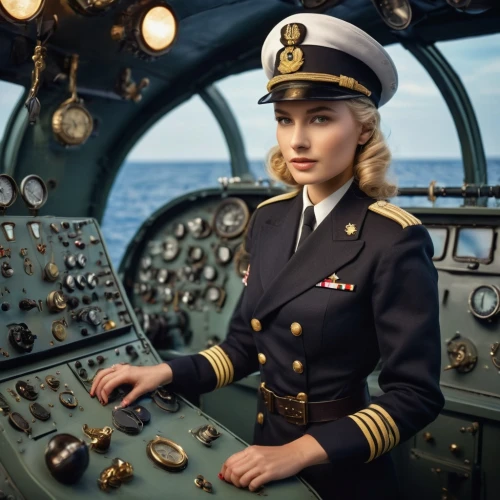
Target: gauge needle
[
  {"x": 482, "y": 300},
  {"x": 33, "y": 194}
]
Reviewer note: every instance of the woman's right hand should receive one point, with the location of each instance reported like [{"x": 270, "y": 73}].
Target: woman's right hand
[{"x": 142, "y": 378}]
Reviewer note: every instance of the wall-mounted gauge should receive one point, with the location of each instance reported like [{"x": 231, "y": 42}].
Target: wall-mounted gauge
[
  {"x": 34, "y": 192},
  {"x": 72, "y": 124},
  {"x": 484, "y": 301},
  {"x": 223, "y": 254},
  {"x": 8, "y": 191},
  {"x": 171, "y": 246},
  {"x": 231, "y": 217},
  {"x": 199, "y": 228}
]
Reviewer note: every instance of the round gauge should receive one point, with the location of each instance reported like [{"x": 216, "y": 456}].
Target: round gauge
[
  {"x": 81, "y": 260},
  {"x": 484, "y": 301},
  {"x": 167, "y": 454},
  {"x": 231, "y": 217},
  {"x": 196, "y": 254},
  {"x": 8, "y": 191},
  {"x": 199, "y": 228},
  {"x": 168, "y": 295},
  {"x": 241, "y": 260},
  {"x": 213, "y": 293},
  {"x": 172, "y": 248},
  {"x": 72, "y": 124},
  {"x": 69, "y": 283},
  {"x": 223, "y": 254},
  {"x": 154, "y": 248},
  {"x": 80, "y": 281},
  {"x": 34, "y": 191},
  {"x": 146, "y": 263},
  {"x": 162, "y": 276},
  {"x": 209, "y": 273},
  {"x": 180, "y": 231}
]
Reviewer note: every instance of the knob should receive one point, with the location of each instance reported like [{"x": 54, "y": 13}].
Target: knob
[
  {"x": 130, "y": 350},
  {"x": 21, "y": 337},
  {"x": 50, "y": 272},
  {"x": 80, "y": 281},
  {"x": 69, "y": 283},
  {"x": 462, "y": 354},
  {"x": 81, "y": 260},
  {"x": 7, "y": 270},
  {"x": 89, "y": 315},
  {"x": 100, "y": 359},
  {"x": 454, "y": 448},
  {"x": 56, "y": 302},
  {"x": 428, "y": 437},
  {"x": 27, "y": 304},
  {"x": 70, "y": 261},
  {"x": 73, "y": 302},
  {"x": 91, "y": 280}
]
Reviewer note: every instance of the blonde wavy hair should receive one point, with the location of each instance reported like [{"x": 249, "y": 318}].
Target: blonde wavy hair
[{"x": 371, "y": 160}]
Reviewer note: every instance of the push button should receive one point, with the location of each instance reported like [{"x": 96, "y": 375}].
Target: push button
[
  {"x": 262, "y": 358},
  {"x": 256, "y": 326},
  {"x": 296, "y": 329},
  {"x": 298, "y": 367}
]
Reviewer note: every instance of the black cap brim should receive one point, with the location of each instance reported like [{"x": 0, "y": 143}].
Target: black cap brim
[{"x": 308, "y": 91}]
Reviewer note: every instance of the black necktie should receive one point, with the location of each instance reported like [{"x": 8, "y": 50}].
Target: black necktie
[{"x": 307, "y": 225}]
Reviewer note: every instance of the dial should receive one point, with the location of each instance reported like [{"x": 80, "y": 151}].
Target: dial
[
  {"x": 180, "y": 231},
  {"x": 167, "y": 454},
  {"x": 171, "y": 246},
  {"x": 213, "y": 293},
  {"x": 223, "y": 254},
  {"x": 199, "y": 228},
  {"x": 8, "y": 190},
  {"x": 91, "y": 280},
  {"x": 196, "y": 254},
  {"x": 70, "y": 261},
  {"x": 72, "y": 124},
  {"x": 231, "y": 217},
  {"x": 34, "y": 191},
  {"x": 209, "y": 273},
  {"x": 69, "y": 283},
  {"x": 484, "y": 301},
  {"x": 81, "y": 260},
  {"x": 80, "y": 281}
]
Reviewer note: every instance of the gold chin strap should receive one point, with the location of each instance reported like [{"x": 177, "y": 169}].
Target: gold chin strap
[{"x": 343, "y": 81}]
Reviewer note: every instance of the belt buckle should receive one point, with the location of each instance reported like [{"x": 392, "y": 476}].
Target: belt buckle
[{"x": 295, "y": 411}]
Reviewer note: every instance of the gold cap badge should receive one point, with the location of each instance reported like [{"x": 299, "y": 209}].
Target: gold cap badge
[
  {"x": 291, "y": 58},
  {"x": 350, "y": 229}
]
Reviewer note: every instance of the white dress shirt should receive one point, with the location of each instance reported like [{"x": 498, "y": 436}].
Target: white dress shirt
[{"x": 323, "y": 208}]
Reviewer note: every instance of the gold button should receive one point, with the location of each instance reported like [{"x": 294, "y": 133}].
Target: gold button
[
  {"x": 262, "y": 358},
  {"x": 296, "y": 329},
  {"x": 298, "y": 367},
  {"x": 260, "y": 418},
  {"x": 256, "y": 326}
]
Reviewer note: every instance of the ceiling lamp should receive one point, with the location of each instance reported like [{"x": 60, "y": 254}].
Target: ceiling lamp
[
  {"x": 20, "y": 11},
  {"x": 472, "y": 6},
  {"x": 91, "y": 6},
  {"x": 395, "y": 13},
  {"x": 148, "y": 28}
]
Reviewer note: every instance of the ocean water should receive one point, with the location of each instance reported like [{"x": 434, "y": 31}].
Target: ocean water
[{"x": 141, "y": 188}]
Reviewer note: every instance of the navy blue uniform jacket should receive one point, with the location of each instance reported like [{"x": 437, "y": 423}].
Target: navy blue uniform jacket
[{"x": 391, "y": 315}]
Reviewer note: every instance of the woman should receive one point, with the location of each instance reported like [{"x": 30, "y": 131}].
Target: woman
[{"x": 338, "y": 279}]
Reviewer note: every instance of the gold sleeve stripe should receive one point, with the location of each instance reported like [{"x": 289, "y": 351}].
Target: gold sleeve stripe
[
  {"x": 225, "y": 367},
  {"x": 280, "y": 197},
  {"x": 367, "y": 434},
  {"x": 215, "y": 365},
  {"x": 382, "y": 429},
  {"x": 375, "y": 432},
  {"x": 389, "y": 429},
  {"x": 229, "y": 364},
  {"x": 390, "y": 420}
]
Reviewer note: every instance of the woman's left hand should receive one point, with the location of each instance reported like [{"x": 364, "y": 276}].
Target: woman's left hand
[{"x": 257, "y": 465}]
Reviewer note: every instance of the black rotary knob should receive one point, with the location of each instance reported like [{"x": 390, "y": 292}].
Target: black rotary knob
[{"x": 67, "y": 458}]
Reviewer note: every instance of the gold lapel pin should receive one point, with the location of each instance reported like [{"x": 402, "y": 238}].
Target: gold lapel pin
[
  {"x": 350, "y": 229},
  {"x": 333, "y": 277}
]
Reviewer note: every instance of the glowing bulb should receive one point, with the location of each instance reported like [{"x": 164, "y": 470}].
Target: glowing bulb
[
  {"x": 158, "y": 28},
  {"x": 21, "y": 10}
]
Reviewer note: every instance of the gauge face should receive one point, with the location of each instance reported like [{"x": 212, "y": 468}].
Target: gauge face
[
  {"x": 72, "y": 124},
  {"x": 213, "y": 294},
  {"x": 209, "y": 273},
  {"x": 167, "y": 454},
  {"x": 34, "y": 191},
  {"x": 180, "y": 231},
  {"x": 199, "y": 228},
  {"x": 231, "y": 218},
  {"x": 196, "y": 254},
  {"x": 224, "y": 254},
  {"x": 484, "y": 301},
  {"x": 8, "y": 190},
  {"x": 171, "y": 246}
]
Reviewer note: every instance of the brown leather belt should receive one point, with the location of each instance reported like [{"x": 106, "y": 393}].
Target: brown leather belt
[{"x": 297, "y": 410}]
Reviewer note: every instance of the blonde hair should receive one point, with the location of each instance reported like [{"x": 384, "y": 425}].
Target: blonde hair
[{"x": 371, "y": 161}]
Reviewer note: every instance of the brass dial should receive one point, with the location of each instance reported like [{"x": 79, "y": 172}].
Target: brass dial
[
  {"x": 167, "y": 454},
  {"x": 72, "y": 124}
]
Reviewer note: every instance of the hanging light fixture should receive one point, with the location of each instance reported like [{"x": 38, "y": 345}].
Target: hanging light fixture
[
  {"x": 20, "y": 11},
  {"x": 395, "y": 13},
  {"x": 147, "y": 28},
  {"x": 472, "y": 6}
]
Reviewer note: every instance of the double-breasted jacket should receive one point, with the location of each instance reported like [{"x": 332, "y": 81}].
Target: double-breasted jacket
[{"x": 361, "y": 288}]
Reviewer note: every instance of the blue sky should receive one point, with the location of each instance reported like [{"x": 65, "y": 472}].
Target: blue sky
[{"x": 416, "y": 121}]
